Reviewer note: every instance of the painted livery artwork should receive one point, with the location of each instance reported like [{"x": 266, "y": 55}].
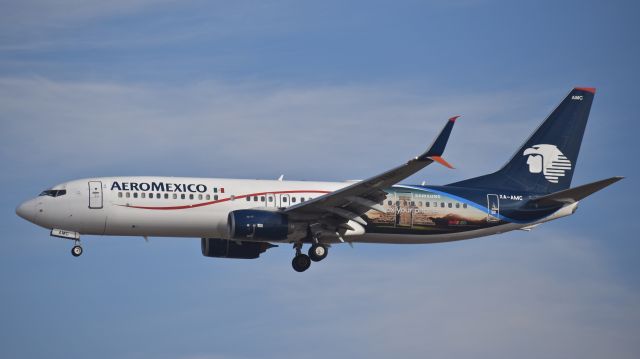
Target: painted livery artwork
[{"x": 419, "y": 211}]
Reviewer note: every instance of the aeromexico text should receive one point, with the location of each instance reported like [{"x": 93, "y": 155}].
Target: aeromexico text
[{"x": 159, "y": 187}]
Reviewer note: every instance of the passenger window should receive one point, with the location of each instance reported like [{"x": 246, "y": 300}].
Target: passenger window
[
  {"x": 255, "y": 198},
  {"x": 199, "y": 196},
  {"x": 457, "y": 205},
  {"x": 464, "y": 205},
  {"x": 119, "y": 194},
  {"x": 248, "y": 199},
  {"x": 208, "y": 197},
  {"x": 135, "y": 194},
  {"x": 442, "y": 204},
  {"x": 390, "y": 203},
  {"x": 191, "y": 196},
  {"x": 143, "y": 195},
  {"x": 413, "y": 203},
  {"x": 166, "y": 196},
  {"x": 261, "y": 198},
  {"x": 450, "y": 205},
  {"x": 293, "y": 200},
  {"x": 128, "y": 195},
  {"x": 427, "y": 204},
  {"x": 215, "y": 197},
  {"x": 183, "y": 196},
  {"x": 215, "y": 190},
  {"x": 175, "y": 196},
  {"x": 270, "y": 199},
  {"x": 284, "y": 199}
]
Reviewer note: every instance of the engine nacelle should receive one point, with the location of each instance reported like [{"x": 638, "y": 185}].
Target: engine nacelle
[
  {"x": 222, "y": 248},
  {"x": 257, "y": 225}
]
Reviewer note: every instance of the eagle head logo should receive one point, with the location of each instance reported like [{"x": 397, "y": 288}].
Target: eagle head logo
[{"x": 548, "y": 160}]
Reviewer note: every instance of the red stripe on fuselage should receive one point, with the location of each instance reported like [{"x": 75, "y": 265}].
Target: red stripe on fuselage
[{"x": 224, "y": 200}]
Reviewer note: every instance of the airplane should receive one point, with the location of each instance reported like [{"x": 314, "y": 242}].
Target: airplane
[{"x": 241, "y": 219}]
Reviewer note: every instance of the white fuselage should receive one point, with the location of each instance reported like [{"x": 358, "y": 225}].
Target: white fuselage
[{"x": 188, "y": 207}]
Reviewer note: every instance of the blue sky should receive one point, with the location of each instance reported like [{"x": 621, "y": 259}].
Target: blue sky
[{"x": 326, "y": 91}]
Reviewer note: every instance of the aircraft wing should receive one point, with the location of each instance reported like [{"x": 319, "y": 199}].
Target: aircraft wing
[{"x": 336, "y": 208}]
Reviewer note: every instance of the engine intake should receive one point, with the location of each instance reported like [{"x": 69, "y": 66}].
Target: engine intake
[
  {"x": 222, "y": 248},
  {"x": 257, "y": 225}
]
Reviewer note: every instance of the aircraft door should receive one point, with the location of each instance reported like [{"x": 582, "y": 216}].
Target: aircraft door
[
  {"x": 493, "y": 208},
  {"x": 95, "y": 194},
  {"x": 270, "y": 200},
  {"x": 284, "y": 200}
]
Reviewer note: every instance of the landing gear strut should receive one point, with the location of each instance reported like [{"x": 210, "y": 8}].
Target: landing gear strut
[
  {"x": 318, "y": 252},
  {"x": 301, "y": 262},
  {"x": 76, "y": 251}
]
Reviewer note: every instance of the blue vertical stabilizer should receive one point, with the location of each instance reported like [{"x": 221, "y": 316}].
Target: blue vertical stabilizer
[{"x": 546, "y": 161}]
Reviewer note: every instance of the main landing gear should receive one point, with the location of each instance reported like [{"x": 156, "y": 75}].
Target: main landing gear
[
  {"x": 76, "y": 251},
  {"x": 301, "y": 262},
  {"x": 318, "y": 252}
]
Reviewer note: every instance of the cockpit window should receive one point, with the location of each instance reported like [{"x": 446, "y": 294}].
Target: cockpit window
[{"x": 54, "y": 192}]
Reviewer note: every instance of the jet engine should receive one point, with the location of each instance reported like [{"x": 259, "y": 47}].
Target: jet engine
[
  {"x": 222, "y": 248},
  {"x": 258, "y": 225}
]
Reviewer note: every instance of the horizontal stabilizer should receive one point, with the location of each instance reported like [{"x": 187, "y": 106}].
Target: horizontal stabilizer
[{"x": 571, "y": 195}]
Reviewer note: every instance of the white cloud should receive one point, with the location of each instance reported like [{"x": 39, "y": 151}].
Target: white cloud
[
  {"x": 62, "y": 14},
  {"x": 344, "y": 132},
  {"x": 35, "y": 25},
  {"x": 544, "y": 294}
]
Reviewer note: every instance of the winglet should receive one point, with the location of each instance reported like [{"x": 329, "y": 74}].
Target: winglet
[{"x": 434, "y": 152}]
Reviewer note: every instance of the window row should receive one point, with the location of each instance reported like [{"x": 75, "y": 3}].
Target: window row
[
  {"x": 199, "y": 196},
  {"x": 427, "y": 204},
  {"x": 283, "y": 199}
]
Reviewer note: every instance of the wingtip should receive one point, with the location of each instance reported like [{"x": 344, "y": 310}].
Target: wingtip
[
  {"x": 454, "y": 118},
  {"x": 441, "y": 161},
  {"x": 587, "y": 89}
]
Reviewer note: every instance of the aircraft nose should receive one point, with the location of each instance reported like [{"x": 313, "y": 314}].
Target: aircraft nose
[{"x": 27, "y": 210}]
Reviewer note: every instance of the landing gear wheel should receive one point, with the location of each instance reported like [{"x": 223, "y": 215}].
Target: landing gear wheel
[
  {"x": 301, "y": 262},
  {"x": 318, "y": 252},
  {"x": 76, "y": 251}
]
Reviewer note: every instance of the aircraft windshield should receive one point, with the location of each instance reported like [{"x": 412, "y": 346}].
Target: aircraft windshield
[{"x": 54, "y": 192}]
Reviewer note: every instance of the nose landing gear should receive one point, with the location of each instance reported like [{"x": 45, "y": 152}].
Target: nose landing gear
[{"x": 76, "y": 251}]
